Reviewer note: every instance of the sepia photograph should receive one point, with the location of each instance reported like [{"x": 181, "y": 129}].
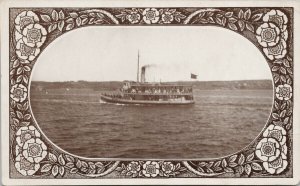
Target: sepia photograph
[
  {"x": 151, "y": 92},
  {"x": 138, "y": 92}
]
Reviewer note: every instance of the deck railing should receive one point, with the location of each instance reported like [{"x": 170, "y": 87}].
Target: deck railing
[{"x": 159, "y": 94}]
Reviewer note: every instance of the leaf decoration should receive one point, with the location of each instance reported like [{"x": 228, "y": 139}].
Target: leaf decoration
[
  {"x": 256, "y": 166},
  {"x": 219, "y": 21},
  {"x": 241, "y": 159},
  {"x": 228, "y": 14},
  {"x": 26, "y": 68},
  {"x": 54, "y": 15},
  {"x": 70, "y": 26},
  {"x": 240, "y": 169},
  {"x": 241, "y": 14},
  {"x": 275, "y": 68},
  {"x": 73, "y": 14},
  {"x": 247, "y": 14},
  {"x": 232, "y": 26},
  {"x": 286, "y": 120},
  {"x": 27, "y": 116},
  {"x": 69, "y": 158},
  {"x": 24, "y": 124},
  {"x": 46, "y": 168},
  {"x": 224, "y": 20},
  {"x": 61, "y": 170},
  {"x": 61, "y": 15},
  {"x": 250, "y": 157},
  {"x": 55, "y": 170},
  {"x": 248, "y": 169},
  {"x": 52, "y": 27},
  {"x": 275, "y": 115},
  {"x": 92, "y": 165},
  {"x": 61, "y": 160},
  {"x": 74, "y": 170},
  {"x": 70, "y": 20},
  {"x": 78, "y": 21},
  {"x": 290, "y": 71},
  {"x": 19, "y": 70},
  {"x": 250, "y": 27},
  {"x": 227, "y": 169},
  {"x": 232, "y": 164},
  {"x": 61, "y": 25},
  {"x": 256, "y": 17},
  {"x": 99, "y": 164},
  {"x": 84, "y": 164},
  {"x": 19, "y": 78},
  {"x": 217, "y": 164},
  {"x": 233, "y": 158},
  {"x": 224, "y": 163},
  {"x": 52, "y": 157},
  {"x": 46, "y": 18},
  {"x": 20, "y": 107},
  {"x": 70, "y": 165},
  {"x": 25, "y": 79},
  {"x": 232, "y": 20},
  {"x": 282, "y": 114},
  {"x": 20, "y": 115},
  {"x": 78, "y": 164}
]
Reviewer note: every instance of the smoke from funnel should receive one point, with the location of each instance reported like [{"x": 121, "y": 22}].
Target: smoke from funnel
[{"x": 143, "y": 72}]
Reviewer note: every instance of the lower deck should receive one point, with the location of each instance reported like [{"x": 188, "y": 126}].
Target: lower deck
[{"x": 170, "y": 101}]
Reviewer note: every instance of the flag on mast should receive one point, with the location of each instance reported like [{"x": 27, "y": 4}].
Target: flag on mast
[{"x": 193, "y": 76}]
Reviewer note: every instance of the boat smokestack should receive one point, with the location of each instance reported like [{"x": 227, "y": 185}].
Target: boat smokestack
[{"x": 143, "y": 74}]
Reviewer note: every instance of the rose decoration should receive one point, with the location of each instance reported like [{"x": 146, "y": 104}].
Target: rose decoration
[
  {"x": 268, "y": 149},
  {"x": 272, "y": 35},
  {"x": 25, "y": 52},
  {"x": 30, "y": 150},
  {"x": 276, "y": 166},
  {"x": 272, "y": 149},
  {"x": 26, "y": 167},
  {"x": 168, "y": 167},
  {"x": 34, "y": 150},
  {"x": 150, "y": 15},
  {"x": 284, "y": 92},
  {"x": 276, "y": 132},
  {"x": 133, "y": 17},
  {"x": 26, "y": 133},
  {"x": 18, "y": 92},
  {"x": 25, "y": 18},
  {"x": 268, "y": 34},
  {"x": 277, "y": 17},
  {"x": 34, "y": 35},
  {"x": 133, "y": 167},
  {"x": 167, "y": 17},
  {"x": 150, "y": 169},
  {"x": 279, "y": 164},
  {"x": 276, "y": 52}
]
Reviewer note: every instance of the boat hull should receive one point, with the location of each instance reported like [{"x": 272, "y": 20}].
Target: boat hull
[{"x": 144, "y": 102}]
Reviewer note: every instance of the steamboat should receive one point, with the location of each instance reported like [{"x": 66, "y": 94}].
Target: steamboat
[{"x": 150, "y": 93}]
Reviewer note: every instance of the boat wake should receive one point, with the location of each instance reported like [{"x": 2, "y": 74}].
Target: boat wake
[{"x": 104, "y": 102}]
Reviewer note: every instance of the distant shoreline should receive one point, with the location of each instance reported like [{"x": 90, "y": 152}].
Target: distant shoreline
[{"x": 238, "y": 84}]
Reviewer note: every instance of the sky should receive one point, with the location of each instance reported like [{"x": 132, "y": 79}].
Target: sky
[{"x": 110, "y": 54}]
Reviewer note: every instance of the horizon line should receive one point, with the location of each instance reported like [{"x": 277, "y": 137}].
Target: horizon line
[{"x": 78, "y": 81}]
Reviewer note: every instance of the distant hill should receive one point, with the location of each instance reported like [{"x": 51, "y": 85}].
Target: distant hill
[{"x": 111, "y": 85}]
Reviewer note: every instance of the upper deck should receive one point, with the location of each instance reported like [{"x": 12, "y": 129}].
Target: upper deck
[
  {"x": 162, "y": 89},
  {"x": 160, "y": 85}
]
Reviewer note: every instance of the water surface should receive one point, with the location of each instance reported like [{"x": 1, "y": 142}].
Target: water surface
[{"x": 221, "y": 122}]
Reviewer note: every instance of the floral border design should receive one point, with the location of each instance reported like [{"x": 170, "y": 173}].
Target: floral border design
[{"x": 270, "y": 29}]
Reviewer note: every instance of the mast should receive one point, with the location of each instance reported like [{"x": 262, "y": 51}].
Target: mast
[{"x": 138, "y": 67}]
